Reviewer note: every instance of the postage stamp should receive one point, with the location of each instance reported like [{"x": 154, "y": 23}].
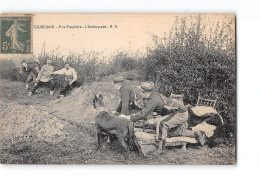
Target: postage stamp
[{"x": 15, "y": 34}]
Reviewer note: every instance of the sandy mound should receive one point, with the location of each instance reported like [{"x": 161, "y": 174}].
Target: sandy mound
[
  {"x": 78, "y": 107},
  {"x": 21, "y": 123}
]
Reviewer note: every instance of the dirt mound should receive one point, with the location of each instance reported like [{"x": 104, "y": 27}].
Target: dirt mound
[
  {"x": 29, "y": 134},
  {"x": 19, "y": 122},
  {"x": 78, "y": 106}
]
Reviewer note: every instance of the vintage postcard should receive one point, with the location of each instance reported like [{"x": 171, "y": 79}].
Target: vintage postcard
[{"x": 140, "y": 89}]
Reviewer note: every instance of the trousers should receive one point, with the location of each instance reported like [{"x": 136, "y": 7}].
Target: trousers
[
  {"x": 176, "y": 124},
  {"x": 30, "y": 77},
  {"x": 50, "y": 84},
  {"x": 66, "y": 87}
]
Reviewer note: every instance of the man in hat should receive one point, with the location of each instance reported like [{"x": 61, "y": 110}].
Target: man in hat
[
  {"x": 44, "y": 78},
  {"x": 156, "y": 102},
  {"x": 32, "y": 69},
  {"x": 70, "y": 78},
  {"x": 127, "y": 95}
]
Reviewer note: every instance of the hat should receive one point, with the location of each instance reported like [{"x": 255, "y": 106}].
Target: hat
[
  {"x": 147, "y": 86},
  {"x": 119, "y": 79}
]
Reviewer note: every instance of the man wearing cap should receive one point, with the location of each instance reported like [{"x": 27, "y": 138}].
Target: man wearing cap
[
  {"x": 127, "y": 95},
  {"x": 44, "y": 78},
  {"x": 71, "y": 77},
  {"x": 32, "y": 69},
  {"x": 156, "y": 102}
]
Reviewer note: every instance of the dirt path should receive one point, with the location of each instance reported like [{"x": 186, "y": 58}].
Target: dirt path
[{"x": 45, "y": 130}]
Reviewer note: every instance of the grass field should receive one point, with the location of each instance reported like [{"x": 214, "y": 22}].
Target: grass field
[{"x": 45, "y": 130}]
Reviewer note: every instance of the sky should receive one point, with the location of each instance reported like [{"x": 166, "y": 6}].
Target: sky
[{"x": 129, "y": 32}]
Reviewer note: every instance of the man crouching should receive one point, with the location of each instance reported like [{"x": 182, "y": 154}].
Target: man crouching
[
  {"x": 70, "y": 79},
  {"x": 44, "y": 78}
]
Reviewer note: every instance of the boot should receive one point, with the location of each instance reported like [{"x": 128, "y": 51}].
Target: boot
[
  {"x": 163, "y": 144},
  {"x": 51, "y": 92},
  {"x": 200, "y": 137},
  {"x": 26, "y": 86},
  {"x": 161, "y": 147}
]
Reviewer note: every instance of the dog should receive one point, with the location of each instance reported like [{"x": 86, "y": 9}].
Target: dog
[
  {"x": 109, "y": 124},
  {"x": 98, "y": 101}
]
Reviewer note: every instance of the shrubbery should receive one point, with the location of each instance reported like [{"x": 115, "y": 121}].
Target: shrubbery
[
  {"x": 89, "y": 66},
  {"x": 187, "y": 62},
  {"x": 8, "y": 70}
]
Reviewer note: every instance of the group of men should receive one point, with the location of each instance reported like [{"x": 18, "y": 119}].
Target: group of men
[
  {"x": 152, "y": 101},
  {"x": 158, "y": 103},
  {"x": 44, "y": 76}
]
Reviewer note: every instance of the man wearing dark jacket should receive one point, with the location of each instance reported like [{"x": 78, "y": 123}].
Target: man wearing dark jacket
[
  {"x": 32, "y": 69},
  {"x": 127, "y": 95}
]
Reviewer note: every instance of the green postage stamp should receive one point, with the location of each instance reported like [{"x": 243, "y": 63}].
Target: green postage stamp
[{"x": 15, "y": 34}]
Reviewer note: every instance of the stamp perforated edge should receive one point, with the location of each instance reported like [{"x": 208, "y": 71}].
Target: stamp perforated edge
[{"x": 20, "y": 15}]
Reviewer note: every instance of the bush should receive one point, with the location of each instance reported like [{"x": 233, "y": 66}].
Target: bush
[
  {"x": 124, "y": 62},
  {"x": 8, "y": 70},
  {"x": 89, "y": 66},
  {"x": 187, "y": 62}
]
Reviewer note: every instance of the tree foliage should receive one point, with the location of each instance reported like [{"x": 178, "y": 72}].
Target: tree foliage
[{"x": 193, "y": 60}]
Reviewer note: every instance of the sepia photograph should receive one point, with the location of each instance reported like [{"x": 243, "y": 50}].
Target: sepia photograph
[{"x": 118, "y": 89}]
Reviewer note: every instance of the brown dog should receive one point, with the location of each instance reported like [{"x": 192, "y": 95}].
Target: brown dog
[{"x": 107, "y": 122}]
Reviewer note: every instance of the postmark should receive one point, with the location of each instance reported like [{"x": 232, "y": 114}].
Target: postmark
[{"x": 16, "y": 34}]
